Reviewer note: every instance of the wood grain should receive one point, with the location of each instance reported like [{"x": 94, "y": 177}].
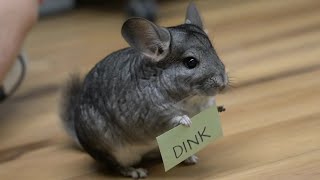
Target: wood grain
[{"x": 271, "y": 125}]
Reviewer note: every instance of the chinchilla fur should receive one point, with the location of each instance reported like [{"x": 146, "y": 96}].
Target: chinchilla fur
[{"x": 133, "y": 95}]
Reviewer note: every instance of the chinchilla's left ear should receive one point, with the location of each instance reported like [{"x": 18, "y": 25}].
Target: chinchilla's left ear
[
  {"x": 147, "y": 37},
  {"x": 193, "y": 16}
]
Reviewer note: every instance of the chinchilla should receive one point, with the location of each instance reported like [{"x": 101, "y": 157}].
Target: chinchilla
[{"x": 137, "y": 93}]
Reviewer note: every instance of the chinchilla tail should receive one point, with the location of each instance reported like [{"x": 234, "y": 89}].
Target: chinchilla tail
[{"x": 69, "y": 101}]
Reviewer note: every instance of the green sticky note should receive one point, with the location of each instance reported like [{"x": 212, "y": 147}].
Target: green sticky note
[{"x": 181, "y": 142}]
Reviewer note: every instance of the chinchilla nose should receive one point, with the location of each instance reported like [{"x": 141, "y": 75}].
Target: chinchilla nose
[
  {"x": 225, "y": 79},
  {"x": 224, "y": 82}
]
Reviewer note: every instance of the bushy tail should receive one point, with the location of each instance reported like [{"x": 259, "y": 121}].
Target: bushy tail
[{"x": 69, "y": 100}]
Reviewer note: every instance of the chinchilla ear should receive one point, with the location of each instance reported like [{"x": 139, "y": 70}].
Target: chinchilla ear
[
  {"x": 193, "y": 16},
  {"x": 152, "y": 40}
]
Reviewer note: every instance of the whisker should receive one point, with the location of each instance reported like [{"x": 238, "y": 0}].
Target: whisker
[
  {"x": 231, "y": 77},
  {"x": 231, "y": 84},
  {"x": 231, "y": 81}
]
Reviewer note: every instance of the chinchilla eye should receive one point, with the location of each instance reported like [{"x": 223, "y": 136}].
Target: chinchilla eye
[{"x": 190, "y": 62}]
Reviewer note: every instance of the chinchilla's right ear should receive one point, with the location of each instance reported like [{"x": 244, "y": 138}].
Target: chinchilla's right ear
[
  {"x": 152, "y": 40},
  {"x": 193, "y": 16}
]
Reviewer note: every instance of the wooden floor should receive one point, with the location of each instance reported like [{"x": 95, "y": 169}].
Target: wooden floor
[{"x": 272, "y": 122}]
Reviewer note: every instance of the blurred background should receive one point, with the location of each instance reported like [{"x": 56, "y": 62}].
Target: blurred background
[{"x": 270, "y": 48}]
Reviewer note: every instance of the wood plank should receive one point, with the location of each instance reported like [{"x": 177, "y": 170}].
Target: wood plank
[
  {"x": 304, "y": 166},
  {"x": 270, "y": 103}
]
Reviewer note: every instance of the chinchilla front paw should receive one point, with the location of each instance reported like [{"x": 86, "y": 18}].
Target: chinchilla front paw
[
  {"x": 135, "y": 173},
  {"x": 184, "y": 120}
]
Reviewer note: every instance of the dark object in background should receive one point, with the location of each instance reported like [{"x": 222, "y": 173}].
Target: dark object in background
[
  {"x": 142, "y": 8},
  {"x": 13, "y": 78},
  {"x": 50, "y": 7},
  {"x": 147, "y": 9},
  {"x": 2, "y": 94}
]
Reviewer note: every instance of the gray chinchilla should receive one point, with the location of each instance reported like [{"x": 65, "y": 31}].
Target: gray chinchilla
[{"x": 137, "y": 93}]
